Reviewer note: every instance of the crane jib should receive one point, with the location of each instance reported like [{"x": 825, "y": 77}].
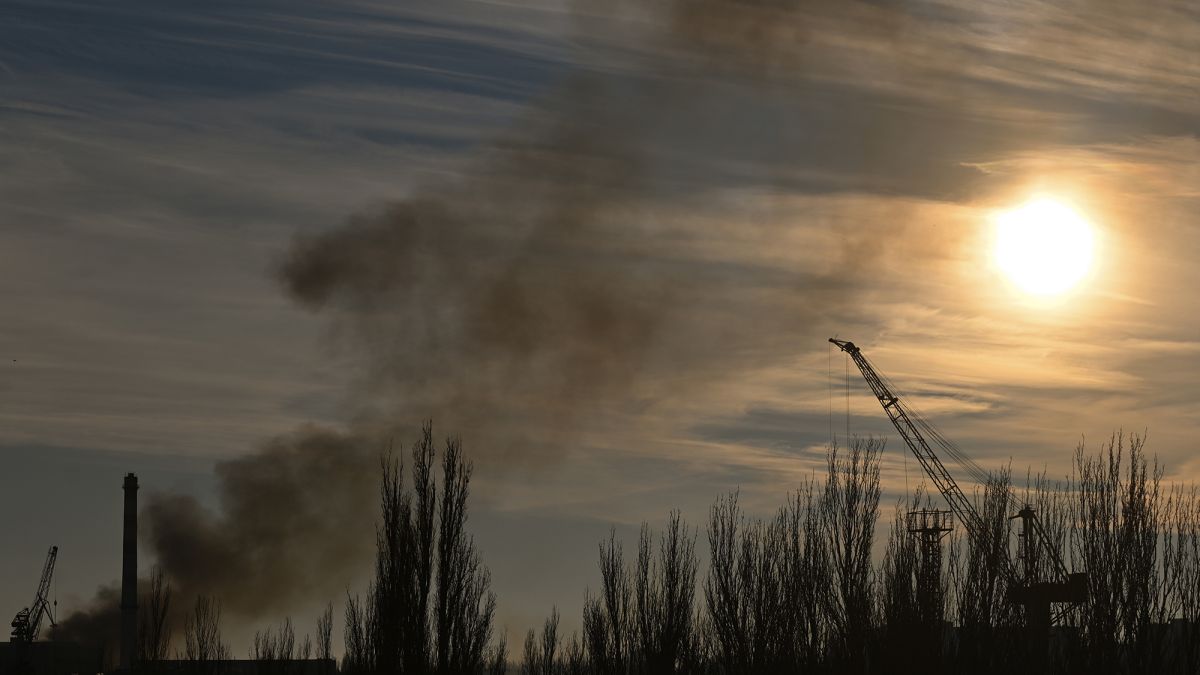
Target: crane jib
[{"x": 28, "y": 621}]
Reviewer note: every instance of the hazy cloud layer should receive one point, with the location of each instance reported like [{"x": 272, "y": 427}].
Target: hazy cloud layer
[{"x": 611, "y": 233}]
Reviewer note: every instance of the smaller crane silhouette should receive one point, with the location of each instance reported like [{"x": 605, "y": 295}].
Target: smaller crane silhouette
[{"x": 28, "y": 622}]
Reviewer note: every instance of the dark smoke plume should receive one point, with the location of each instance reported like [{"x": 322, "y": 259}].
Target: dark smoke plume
[
  {"x": 509, "y": 288},
  {"x": 97, "y": 624},
  {"x": 295, "y": 520},
  {"x": 294, "y": 523},
  {"x": 569, "y": 271}
]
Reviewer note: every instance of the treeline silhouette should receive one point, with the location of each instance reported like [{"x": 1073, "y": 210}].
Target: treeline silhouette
[{"x": 803, "y": 591}]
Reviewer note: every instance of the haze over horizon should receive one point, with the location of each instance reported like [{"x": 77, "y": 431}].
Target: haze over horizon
[{"x": 603, "y": 242}]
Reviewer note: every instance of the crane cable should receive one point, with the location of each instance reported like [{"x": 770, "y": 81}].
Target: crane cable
[
  {"x": 979, "y": 474},
  {"x": 919, "y": 419}
]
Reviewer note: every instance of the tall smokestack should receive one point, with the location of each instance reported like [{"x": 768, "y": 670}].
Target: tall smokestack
[{"x": 129, "y": 575}]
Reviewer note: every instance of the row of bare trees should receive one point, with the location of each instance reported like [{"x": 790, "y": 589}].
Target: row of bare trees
[
  {"x": 1139, "y": 540},
  {"x": 805, "y": 591},
  {"x": 204, "y": 650},
  {"x": 277, "y": 652}
]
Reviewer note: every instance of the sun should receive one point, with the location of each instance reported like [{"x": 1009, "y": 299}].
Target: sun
[{"x": 1043, "y": 246}]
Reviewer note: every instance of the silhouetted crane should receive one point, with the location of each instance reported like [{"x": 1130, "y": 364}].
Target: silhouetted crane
[
  {"x": 1025, "y": 588},
  {"x": 28, "y": 622}
]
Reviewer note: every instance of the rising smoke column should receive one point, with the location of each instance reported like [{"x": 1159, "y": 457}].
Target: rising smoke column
[
  {"x": 294, "y": 525},
  {"x": 570, "y": 269},
  {"x": 510, "y": 291},
  {"x": 295, "y": 521}
]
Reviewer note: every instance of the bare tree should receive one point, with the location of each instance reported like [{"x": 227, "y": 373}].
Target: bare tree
[
  {"x": 431, "y": 606},
  {"x": 796, "y": 592},
  {"x": 358, "y": 635},
  {"x": 541, "y": 656},
  {"x": 728, "y": 587},
  {"x": 275, "y": 650},
  {"x": 664, "y": 592},
  {"x": 902, "y": 650},
  {"x": 804, "y": 586},
  {"x": 465, "y": 604},
  {"x": 985, "y": 615},
  {"x": 850, "y": 505},
  {"x": 324, "y": 645},
  {"x": 154, "y": 629},
  {"x": 606, "y": 617},
  {"x": 751, "y": 622},
  {"x": 399, "y": 630},
  {"x": 1120, "y": 520},
  {"x": 574, "y": 659},
  {"x": 203, "y": 647},
  {"x": 1181, "y": 581},
  {"x": 498, "y": 658}
]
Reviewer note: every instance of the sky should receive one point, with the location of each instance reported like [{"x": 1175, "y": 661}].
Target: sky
[{"x": 604, "y": 242}]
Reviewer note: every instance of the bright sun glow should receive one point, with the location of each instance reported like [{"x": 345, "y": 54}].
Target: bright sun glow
[{"x": 1043, "y": 246}]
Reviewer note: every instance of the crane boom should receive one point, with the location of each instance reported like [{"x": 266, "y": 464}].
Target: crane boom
[
  {"x": 28, "y": 621},
  {"x": 899, "y": 415},
  {"x": 902, "y": 419}
]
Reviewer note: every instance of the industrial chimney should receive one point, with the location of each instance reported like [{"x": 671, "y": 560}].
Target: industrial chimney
[{"x": 129, "y": 576}]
